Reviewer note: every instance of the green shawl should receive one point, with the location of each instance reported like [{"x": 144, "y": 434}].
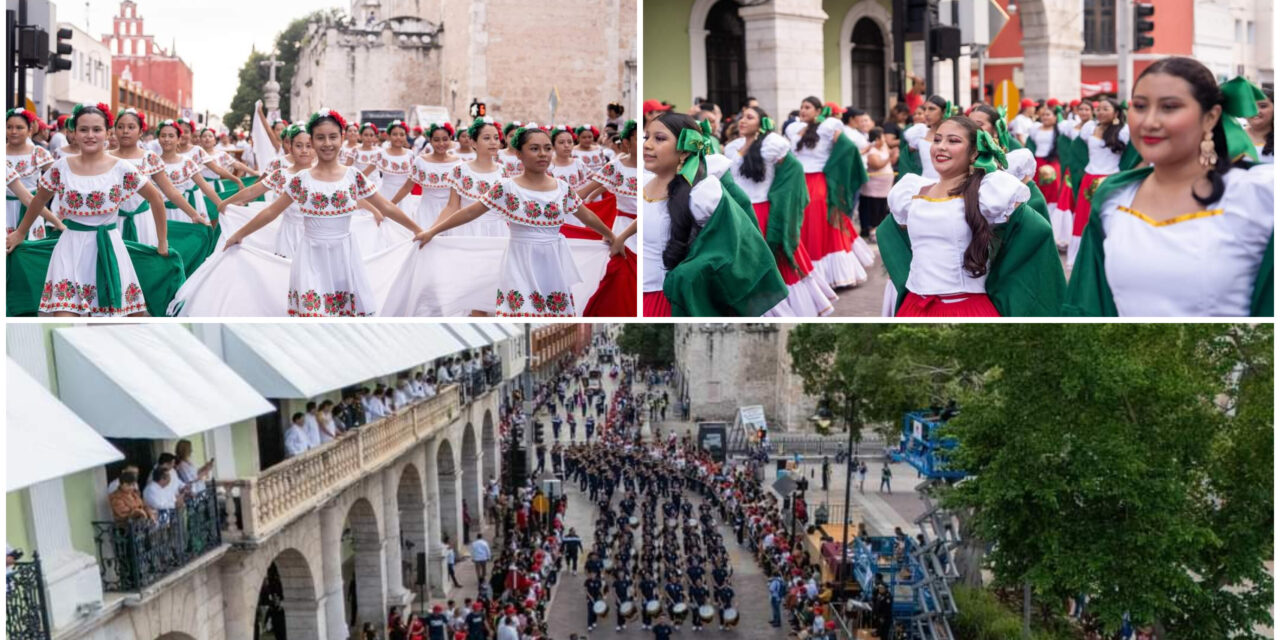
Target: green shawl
[
  {"x": 845, "y": 175},
  {"x": 1089, "y": 294},
  {"x": 788, "y": 197},
  {"x": 908, "y": 159},
  {"x": 730, "y": 270},
  {"x": 1037, "y": 201}
]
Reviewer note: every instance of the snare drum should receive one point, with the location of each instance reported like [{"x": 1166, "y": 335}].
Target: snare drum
[
  {"x": 652, "y": 608},
  {"x": 730, "y": 617},
  {"x": 628, "y": 610},
  {"x": 600, "y": 607},
  {"x": 707, "y": 613},
  {"x": 679, "y": 611}
]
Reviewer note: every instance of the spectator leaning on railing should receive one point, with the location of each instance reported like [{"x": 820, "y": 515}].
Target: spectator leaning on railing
[
  {"x": 125, "y": 502},
  {"x": 295, "y": 437}
]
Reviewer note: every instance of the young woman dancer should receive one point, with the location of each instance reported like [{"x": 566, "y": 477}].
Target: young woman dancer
[
  {"x": 773, "y": 178},
  {"x": 327, "y": 277},
  {"x": 90, "y": 272},
  {"x": 593, "y": 155},
  {"x": 1106, "y": 137},
  {"x": 209, "y": 143},
  {"x": 138, "y": 225},
  {"x": 616, "y": 296},
  {"x": 395, "y": 161},
  {"x": 183, "y": 173},
  {"x": 291, "y": 230},
  {"x": 1192, "y": 234},
  {"x": 350, "y": 142},
  {"x": 1262, "y": 128},
  {"x": 466, "y": 149},
  {"x": 537, "y": 271},
  {"x": 468, "y": 181},
  {"x": 28, "y": 161},
  {"x": 431, "y": 171},
  {"x": 566, "y": 166}
]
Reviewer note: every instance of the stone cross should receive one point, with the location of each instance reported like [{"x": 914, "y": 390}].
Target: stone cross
[{"x": 271, "y": 90}]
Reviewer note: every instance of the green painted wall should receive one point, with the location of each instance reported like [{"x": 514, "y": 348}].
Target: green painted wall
[
  {"x": 666, "y": 51},
  {"x": 244, "y": 440},
  {"x": 81, "y": 509},
  {"x": 15, "y": 520},
  {"x": 832, "y": 49}
]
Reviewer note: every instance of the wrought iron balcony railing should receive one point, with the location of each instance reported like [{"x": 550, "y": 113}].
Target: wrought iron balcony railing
[
  {"x": 26, "y": 613},
  {"x": 135, "y": 554}
]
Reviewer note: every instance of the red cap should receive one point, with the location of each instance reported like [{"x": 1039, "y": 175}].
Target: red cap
[
  {"x": 437, "y": 609},
  {"x": 1053, "y": 102},
  {"x": 510, "y": 610},
  {"x": 461, "y": 635},
  {"x": 1074, "y": 103},
  {"x": 835, "y": 108},
  {"x": 655, "y": 105},
  {"x": 1028, "y": 102},
  {"x": 831, "y": 624},
  {"x": 477, "y": 607}
]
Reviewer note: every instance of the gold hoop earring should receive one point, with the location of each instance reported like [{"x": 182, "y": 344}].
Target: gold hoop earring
[{"x": 1208, "y": 155}]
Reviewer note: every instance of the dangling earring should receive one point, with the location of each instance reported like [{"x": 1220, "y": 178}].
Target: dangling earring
[{"x": 1208, "y": 156}]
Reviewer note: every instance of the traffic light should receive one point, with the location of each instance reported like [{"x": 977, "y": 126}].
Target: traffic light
[
  {"x": 477, "y": 109},
  {"x": 537, "y": 433},
  {"x": 58, "y": 62},
  {"x": 1142, "y": 26}
]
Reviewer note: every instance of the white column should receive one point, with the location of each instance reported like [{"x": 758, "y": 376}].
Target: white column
[
  {"x": 71, "y": 577},
  {"x": 784, "y": 50},
  {"x": 436, "y": 573},
  {"x": 1052, "y": 42},
  {"x": 391, "y": 537},
  {"x": 331, "y": 600}
]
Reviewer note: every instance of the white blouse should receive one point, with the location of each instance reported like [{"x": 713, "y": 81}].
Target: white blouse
[
  {"x": 1264, "y": 159},
  {"x": 772, "y": 149},
  {"x": 1021, "y": 164},
  {"x": 1194, "y": 265},
  {"x": 917, "y": 137},
  {"x": 656, "y": 227},
  {"x": 1102, "y": 161},
  {"x": 939, "y": 234},
  {"x": 814, "y": 159},
  {"x": 1043, "y": 139}
]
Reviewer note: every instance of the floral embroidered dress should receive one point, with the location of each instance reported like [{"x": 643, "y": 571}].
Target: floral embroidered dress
[
  {"x": 89, "y": 206},
  {"x": 575, "y": 173},
  {"x": 620, "y": 180},
  {"x": 326, "y": 276},
  {"x": 362, "y": 159},
  {"x": 434, "y": 179},
  {"x": 510, "y": 162},
  {"x": 291, "y": 226},
  {"x": 395, "y": 171},
  {"x": 275, "y": 164},
  {"x": 180, "y": 176},
  {"x": 471, "y": 186},
  {"x": 220, "y": 158},
  {"x": 189, "y": 189},
  {"x": 28, "y": 167},
  {"x": 595, "y": 159},
  {"x": 537, "y": 270},
  {"x": 136, "y": 211},
  {"x": 347, "y": 155}
]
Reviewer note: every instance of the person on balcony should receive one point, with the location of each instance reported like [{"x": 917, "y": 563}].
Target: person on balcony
[
  {"x": 115, "y": 484},
  {"x": 429, "y": 387},
  {"x": 125, "y": 502},
  {"x": 311, "y": 424},
  {"x": 404, "y": 390},
  {"x": 162, "y": 494},
  {"x": 352, "y": 411},
  {"x": 295, "y": 438},
  {"x": 442, "y": 371},
  {"x": 327, "y": 419},
  {"x": 187, "y": 472}
]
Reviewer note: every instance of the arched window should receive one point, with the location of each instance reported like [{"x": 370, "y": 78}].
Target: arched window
[
  {"x": 726, "y": 56},
  {"x": 868, "y": 68},
  {"x": 1099, "y": 26}
]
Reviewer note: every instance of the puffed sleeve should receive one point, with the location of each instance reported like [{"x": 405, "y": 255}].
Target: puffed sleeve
[
  {"x": 1252, "y": 193},
  {"x": 734, "y": 147},
  {"x": 151, "y": 164},
  {"x": 9, "y": 175},
  {"x": 830, "y": 128},
  {"x": 51, "y": 180},
  {"x": 274, "y": 180},
  {"x": 704, "y": 198},
  {"x": 914, "y": 134},
  {"x": 774, "y": 148},
  {"x": 718, "y": 165},
  {"x": 795, "y": 130},
  {"x": 1067, "y": 128},
  {"x": 1022, "y": 164},
  {"x": 1124, "y": 133},
  {"x": 999, "y": 194},
  {"x": 364, "y": 187},
  {"x": 1086, "y": 129},
  {"x": 42, "y": 158},
  {"x": 903, "y": 194}
]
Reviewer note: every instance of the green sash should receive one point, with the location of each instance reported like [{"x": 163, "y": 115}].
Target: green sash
[
  {"x": 908, "y": 159},
  {"x": 845, "y": 175},
  {"x": 788, "y": 197},
  {"x": 1089, "y": 294},
  {"x": 129, "y": 227},
  {"x": 107, "y": 272},
  {"x": 730, "y": 270},
  {"x": 1025, "y": 278},
  {"x": 27, "y": 267},
  {"x": 1037, "y": 201}
]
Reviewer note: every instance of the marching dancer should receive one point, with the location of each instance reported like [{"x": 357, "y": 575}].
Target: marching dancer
[
  {"x": 1020, "y": 161},
  {"x": 183, "y": 173},
  {"x": 431, "y": 172},
  {"x": 350, "y": 142},
  {"x": 327, "y": 277},
  {"x": 1191, "y": 234},
  {"x": 1106, "y": 137},
  {"x": 919, "y": 137},
  {"x": 277, "y": 180},
  {"x": 773, "y": 178},
  {"x": 537, "y": 270},
  {"x": 197, "y": 153},
  {"x": 507, "y": 157},
  {"x": 939, "y": 245},
  {"x": 90, "y": 272},
  {"x": 395, "y": 162},
  {"x": 28, "y": 161},
  {"x": 209, "y": 142},
  {"x": 590, "y": 153},
  {"x": 465, "y": 150},
  {"x": 616, "y": 296},
  {"x": 1262, "y": 128},
  {"x": 833, "y": 174},
  {"x": 137, "y": 227},
  {"x": 469, "y": 181},
  {"x": 728, "y": 269},
  {"x": 365, "y": 158},
  {"x": 565, "y": 165}
]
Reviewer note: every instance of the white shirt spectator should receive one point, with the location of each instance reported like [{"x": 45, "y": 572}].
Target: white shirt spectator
[
  {"x": 480, "y": 551},
  {"x": 295, "y": 441},
  {"x": 312, "y": 427},
  {"x": 402, "y": 394},
  {"x": 58, "y": 140},
  {"x": 161, "y": 498},
  {"x": 326, "y": 422},
  {"x": 507, "y": 630},
  {"x": 442, "y": 374},
  {"x": 188, "y": 474}
]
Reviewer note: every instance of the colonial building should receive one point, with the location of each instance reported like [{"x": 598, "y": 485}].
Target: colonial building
[
  {"x": 725, "y": 366},
  {"x": 393, "y": 54},
  {"x": 367, "y": 504},
  {"x": 137, "y": 57}
]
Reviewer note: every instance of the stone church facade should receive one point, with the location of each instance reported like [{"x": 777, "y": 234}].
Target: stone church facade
[{"x": 508, "y": 54}]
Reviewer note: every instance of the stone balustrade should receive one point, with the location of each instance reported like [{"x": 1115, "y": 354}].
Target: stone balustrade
[{"x": 259, "y": 506}]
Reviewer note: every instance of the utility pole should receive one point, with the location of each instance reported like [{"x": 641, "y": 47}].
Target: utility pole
[{"x": 1124, "y": 47}]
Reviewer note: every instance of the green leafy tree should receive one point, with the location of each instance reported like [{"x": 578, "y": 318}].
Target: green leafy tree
[
  {"x": 253, "y": 76},
  {"x": 650, "y": 344}
]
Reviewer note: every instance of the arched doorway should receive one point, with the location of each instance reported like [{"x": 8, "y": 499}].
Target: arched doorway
[
  {"x": 174, "y": 635},
  {"x": 287, "y": 607},
  {"x": 868, "y": 66},
  {"x": 447, "y": 481},
  {"x": 726, "y": 50},
  {"x": 363, "y": 582},
  {"x": 472, "y": 489},
  {"x": 412, "y": 507},
  {"x": 489, "y": 447}
]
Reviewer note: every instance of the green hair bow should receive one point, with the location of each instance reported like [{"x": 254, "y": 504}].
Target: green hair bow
[
  {"x": 1002, "y": 127},
  {"x": 628, "y": 129},
  {"x": 990, "y": 156},
  {"x": 949, "y": 111},
  {"x": 766, "y": 125},
  {"x": 693, "y": 142},
  {"x": 712, "y": 144},
  {"x": 1239, "y": 100},
  {"x": 822, "y": 115}
]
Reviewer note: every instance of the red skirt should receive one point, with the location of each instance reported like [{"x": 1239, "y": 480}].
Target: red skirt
[
  {"x": 1049, "y": 189},
  {"x": 956, "y": 305},
  {"x": 790, "y": 274},
  {"x": 616, "y": 295},
  {"x": 606, "y": 209},
  {"x": 656, "y": 305},
  {"x": 819, "y": 238},
  {"x": 1084, "y": 202}
]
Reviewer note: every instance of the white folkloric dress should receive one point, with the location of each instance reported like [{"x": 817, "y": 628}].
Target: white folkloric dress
[
  {"x": 190, "y": 190},
  {"x": 291, "y": 226},
  {"x": 347, "y": 155},
  {"x": 574, "y": 174},
  {"x": 180, "y": 176},
  {"x": 465, "y": 156},
  {"x": 434, "y": 179},
  {"x": 510, "y": 163},
  {"x": 620, "y": 180},
  {"x": 595, "y": 159},
  {"x": 471, "y": 186},
  {"x": 395, "y": 171},
  {"x": 275, "y": 164},
  {"x": 137, "y": 207},
  {"x": 362, "y": 159},
  {"x": 71, "y": 283},
  {"x": 537, "y": 272},
  {"x": 220, "y": 158},
  {"x": 327, "y": 277},
  {"x": 28, "y": 167}
]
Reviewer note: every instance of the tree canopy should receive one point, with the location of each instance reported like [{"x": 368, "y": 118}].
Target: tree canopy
[
  {"x": 651, "y": 344},
  {"x": 253, "y": 76},
  {"x": 1129, "y": 463}
]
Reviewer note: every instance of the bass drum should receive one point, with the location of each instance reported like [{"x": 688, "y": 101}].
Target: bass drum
[
  {"x": 679, "y": 612},
  {"x": 730, "y": 617},
  {"x": 706, "y": 613},
  {"x": 652, "y": 608},
  {"x": 600, "y": 607},
  {"x": 628, "y": 610}
]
